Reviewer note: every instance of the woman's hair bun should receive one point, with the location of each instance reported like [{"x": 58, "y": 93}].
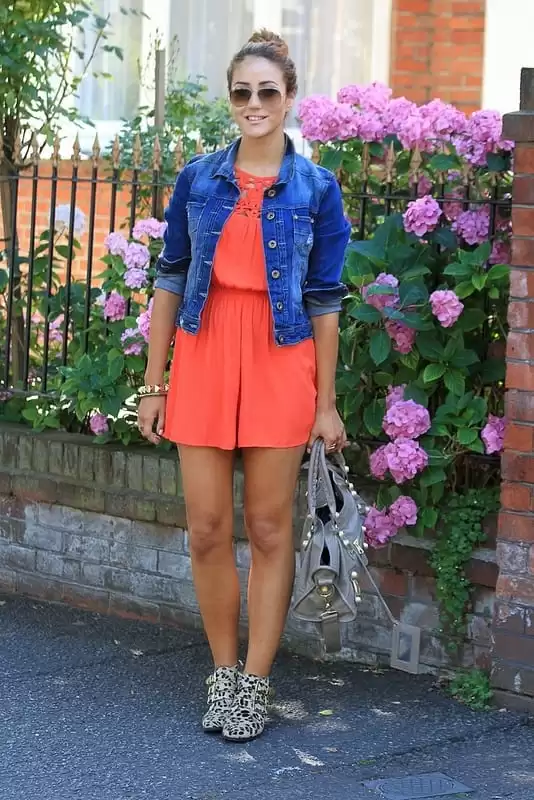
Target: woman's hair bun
[{"x": 265, "y": 36}]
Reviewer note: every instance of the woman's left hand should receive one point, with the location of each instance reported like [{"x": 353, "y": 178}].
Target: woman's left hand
[{"x": 329, "y": 427}]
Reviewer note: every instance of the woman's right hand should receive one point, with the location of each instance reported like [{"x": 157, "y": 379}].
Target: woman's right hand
[{"x": 150, "y": 414}]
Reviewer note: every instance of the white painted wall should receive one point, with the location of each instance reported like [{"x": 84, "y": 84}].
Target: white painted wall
[{"x": 509, "y": 45}]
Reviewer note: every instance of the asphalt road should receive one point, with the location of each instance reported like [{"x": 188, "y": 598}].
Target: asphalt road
[{"x": 94, "y": 708}]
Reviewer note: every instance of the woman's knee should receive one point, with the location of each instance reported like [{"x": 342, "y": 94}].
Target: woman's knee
[
  {"x": 268, "y": 532},
  {"x": 208, "y": 534}
]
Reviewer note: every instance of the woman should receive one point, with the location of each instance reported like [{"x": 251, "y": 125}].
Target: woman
[{"x": 251, "y": 265}]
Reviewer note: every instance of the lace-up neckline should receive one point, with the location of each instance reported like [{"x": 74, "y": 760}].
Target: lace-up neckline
[{"x": 252, "y": 189}]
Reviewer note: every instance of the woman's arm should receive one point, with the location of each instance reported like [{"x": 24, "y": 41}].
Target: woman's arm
[
  {"x": 162, "y": 328},
  {"x": 323, "y": 293}
]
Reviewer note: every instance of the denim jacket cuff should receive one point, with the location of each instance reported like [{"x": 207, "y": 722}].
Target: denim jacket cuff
[{"x": 171, "y": 283}]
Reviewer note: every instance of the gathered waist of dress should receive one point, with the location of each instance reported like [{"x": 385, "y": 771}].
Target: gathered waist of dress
[{"x": 221, "y": 288}]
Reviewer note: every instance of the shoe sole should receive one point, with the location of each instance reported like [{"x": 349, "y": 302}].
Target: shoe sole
[{"x": 241, "y": 738}]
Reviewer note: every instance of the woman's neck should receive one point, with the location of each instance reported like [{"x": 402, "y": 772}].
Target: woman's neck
[{"x": 262, "y": 157}]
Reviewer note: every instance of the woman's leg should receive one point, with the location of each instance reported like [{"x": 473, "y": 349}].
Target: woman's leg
[
  {"x": 207, "y": 475},
  {"x": 270, "y": 481}
]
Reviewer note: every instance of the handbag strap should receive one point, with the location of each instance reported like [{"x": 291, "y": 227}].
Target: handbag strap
[{"x": 318, "y": 472}]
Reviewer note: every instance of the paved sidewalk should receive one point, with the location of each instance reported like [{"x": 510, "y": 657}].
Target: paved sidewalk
[{"x": 94, "y": 708}]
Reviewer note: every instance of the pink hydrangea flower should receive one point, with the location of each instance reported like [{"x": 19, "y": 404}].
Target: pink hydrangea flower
[
  {"x": 396, "y": 113},
  {"x": 350, "y": 94},
  {"x": 406, "y": 419},
  {"x": 424, "y": 185},
  {"x": 116, "y": 243},
  {"x": 323, "y": 120},
  {"x": 446, "y": 306},
  {"x": 143, "y": 321},
  {"x": 395, "y": 395},
  {"x": 379, "y": 528},
  {"x": 115, "y": 307},
  {"x": 132, "y": 345},
  {"x": 137, "y": 256},
  {"x": 55, "y": 334},
  {"x": 370, "y": 127},
  {"x": 379, "y": 300},
  {"x": 98, "y": 423},
  {"x": 403, "y": 511},
  {"x": 444, "y": 119},
  {"x": 492, "y": 434},
  {"x": 150, "y": 227},
  {"x": 500, "y": 252},
  {"x": 402, "y": 336},
  {"x": 422, "y": 215},
  {"x": 404, "y": 458},
  {"x": 473, "y": 226},
  {"x": 375, "y": 97},
  {"x": 135, "y": 278}
]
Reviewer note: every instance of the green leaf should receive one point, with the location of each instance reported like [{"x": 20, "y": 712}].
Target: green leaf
[
  {"x": 415, "y": 272},
  {"x": 410, "y": 359},
  {"x": 479, "y": 280},
  {"x": 471, "y": 318},
  {"x": 466, "y": 436},
  {"x": 493, "y": 370},
  {"x": 455, "y": 382},
  {"x": 379, "y": 346},
  {"x": 458, "y": 270},
  {"x": 442, "y": 162},
  {"x": 465, "y": 358},
  {"x": 331, "y": 159},
  {"x": 412, "y": 293},
  {"x": 438, "y": 429},
  {"x": 373, "y": 416},
  {"x": 464, "y": 289},
  {"x": 429, "y": 346},
  {"x": 494, "y": 293},
  {"x": 429, "y": 517},
  {"x": 433, "y": 372},
  {"x": 416, "y": 394},
  {"x": 366, "y": 313},
  {"x": 496, "y": 162},
  {"x": 482, "y": 253},
  {"x": 498, "y": 272},
  {"x": 477, "y": 446},
  {"x": 432, "y": 475},
  {"x": 445, "y": 237},
  {"x": 383, "y": 378}
]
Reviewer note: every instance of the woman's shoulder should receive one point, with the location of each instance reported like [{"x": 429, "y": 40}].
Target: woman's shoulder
[{"x": 313, "y": 173}]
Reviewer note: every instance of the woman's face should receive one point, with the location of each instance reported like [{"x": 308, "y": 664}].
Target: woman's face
[{"x": 258, "y": 97}]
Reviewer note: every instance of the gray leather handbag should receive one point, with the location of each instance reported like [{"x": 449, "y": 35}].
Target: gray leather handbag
[{"x": 332, "y": 559}]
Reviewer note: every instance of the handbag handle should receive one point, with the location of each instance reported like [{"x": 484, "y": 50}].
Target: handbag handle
[{"x": 318, "y": 471}]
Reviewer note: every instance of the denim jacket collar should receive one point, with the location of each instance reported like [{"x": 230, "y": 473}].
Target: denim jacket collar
[{"x": 287, "y": 170}]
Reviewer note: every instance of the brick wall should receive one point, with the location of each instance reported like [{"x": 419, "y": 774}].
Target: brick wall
[
  {"x": 514, "y": 615},
  {"x": 437, "y": 50},
  {"x": 104, "y": 528}
]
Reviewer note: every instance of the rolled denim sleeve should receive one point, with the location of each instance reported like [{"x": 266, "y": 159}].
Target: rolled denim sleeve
[
  {"x": 323, "y": 290},
  {"x": 175, "y": 258}
]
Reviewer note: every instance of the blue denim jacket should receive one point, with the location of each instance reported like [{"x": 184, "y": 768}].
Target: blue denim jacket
[{"x": 305, "y": 234}]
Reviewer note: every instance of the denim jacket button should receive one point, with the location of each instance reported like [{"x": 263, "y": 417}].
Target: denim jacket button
[
  {"x": 272, "y": 244},
  {"x": 281, "y": 339},
  {"x": 275, "y": 274},
  {"x": 271, "y": 193},
  {"x": 271, "y": 215},
  {"x": 280, "y": 306}
]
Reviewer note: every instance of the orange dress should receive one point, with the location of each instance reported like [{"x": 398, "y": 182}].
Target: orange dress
[{"x": 231, "y": 386}]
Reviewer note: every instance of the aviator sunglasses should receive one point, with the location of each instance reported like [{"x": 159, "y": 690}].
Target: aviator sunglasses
[{"x": 268, "y": 96}]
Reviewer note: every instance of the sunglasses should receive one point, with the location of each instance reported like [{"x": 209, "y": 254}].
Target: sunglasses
[{"x": 269, "y": 97}]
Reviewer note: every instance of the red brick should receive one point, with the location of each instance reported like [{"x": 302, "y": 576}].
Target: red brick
[
  {"x": 417, "y": 6},
  {"x": 519, "y": 376},
  {"x": 523, "y": 221},
  {"x": 523, "y": 189},
  {"x": 482, "y": 573},
  {"x": 520, "y": 406},
  {"x": 522, "y": 280},
  {"x": 391, "y": 582},
  {"x": 512, "y": 677},
  {"x": 522, "y": 256},
  {"x": 512, "y": 557},
  {"x": 514, "y": 647},
  {"x": 410, "y": 559},
  {"x": 509, "y": 618},
  {"x": 516, "y": 497},
  {"x": 520, "y": 346},
  {"x": 524, "y": 159},
  {"x": 519, "y": 437},
  {"x": 521, "y": 314},
  {"x": 461, "y": 7},
  {"x": 516, "y": 527},
  {"x": 515, "y": 588}
]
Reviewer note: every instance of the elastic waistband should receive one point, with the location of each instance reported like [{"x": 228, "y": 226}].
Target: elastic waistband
[{"x": 233, "y": 290}]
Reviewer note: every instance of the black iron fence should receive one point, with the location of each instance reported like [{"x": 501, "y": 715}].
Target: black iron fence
[{"x": 50, "y": 262}]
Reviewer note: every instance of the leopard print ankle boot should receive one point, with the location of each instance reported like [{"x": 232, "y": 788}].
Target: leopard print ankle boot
[
  {"x": 246, "y": 719},
  {"x": 222, "y": 686}
]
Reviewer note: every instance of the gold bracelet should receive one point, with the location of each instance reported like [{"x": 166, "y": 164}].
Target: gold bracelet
[{"x": 151, "y": 390}]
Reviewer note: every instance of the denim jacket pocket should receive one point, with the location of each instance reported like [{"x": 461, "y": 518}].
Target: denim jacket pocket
[
  {"x": 303, "y": 231},
  {"x": 194, "y": 213}
]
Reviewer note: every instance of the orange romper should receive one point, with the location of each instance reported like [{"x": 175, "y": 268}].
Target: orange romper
[{"x": 231, "y": 386}]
